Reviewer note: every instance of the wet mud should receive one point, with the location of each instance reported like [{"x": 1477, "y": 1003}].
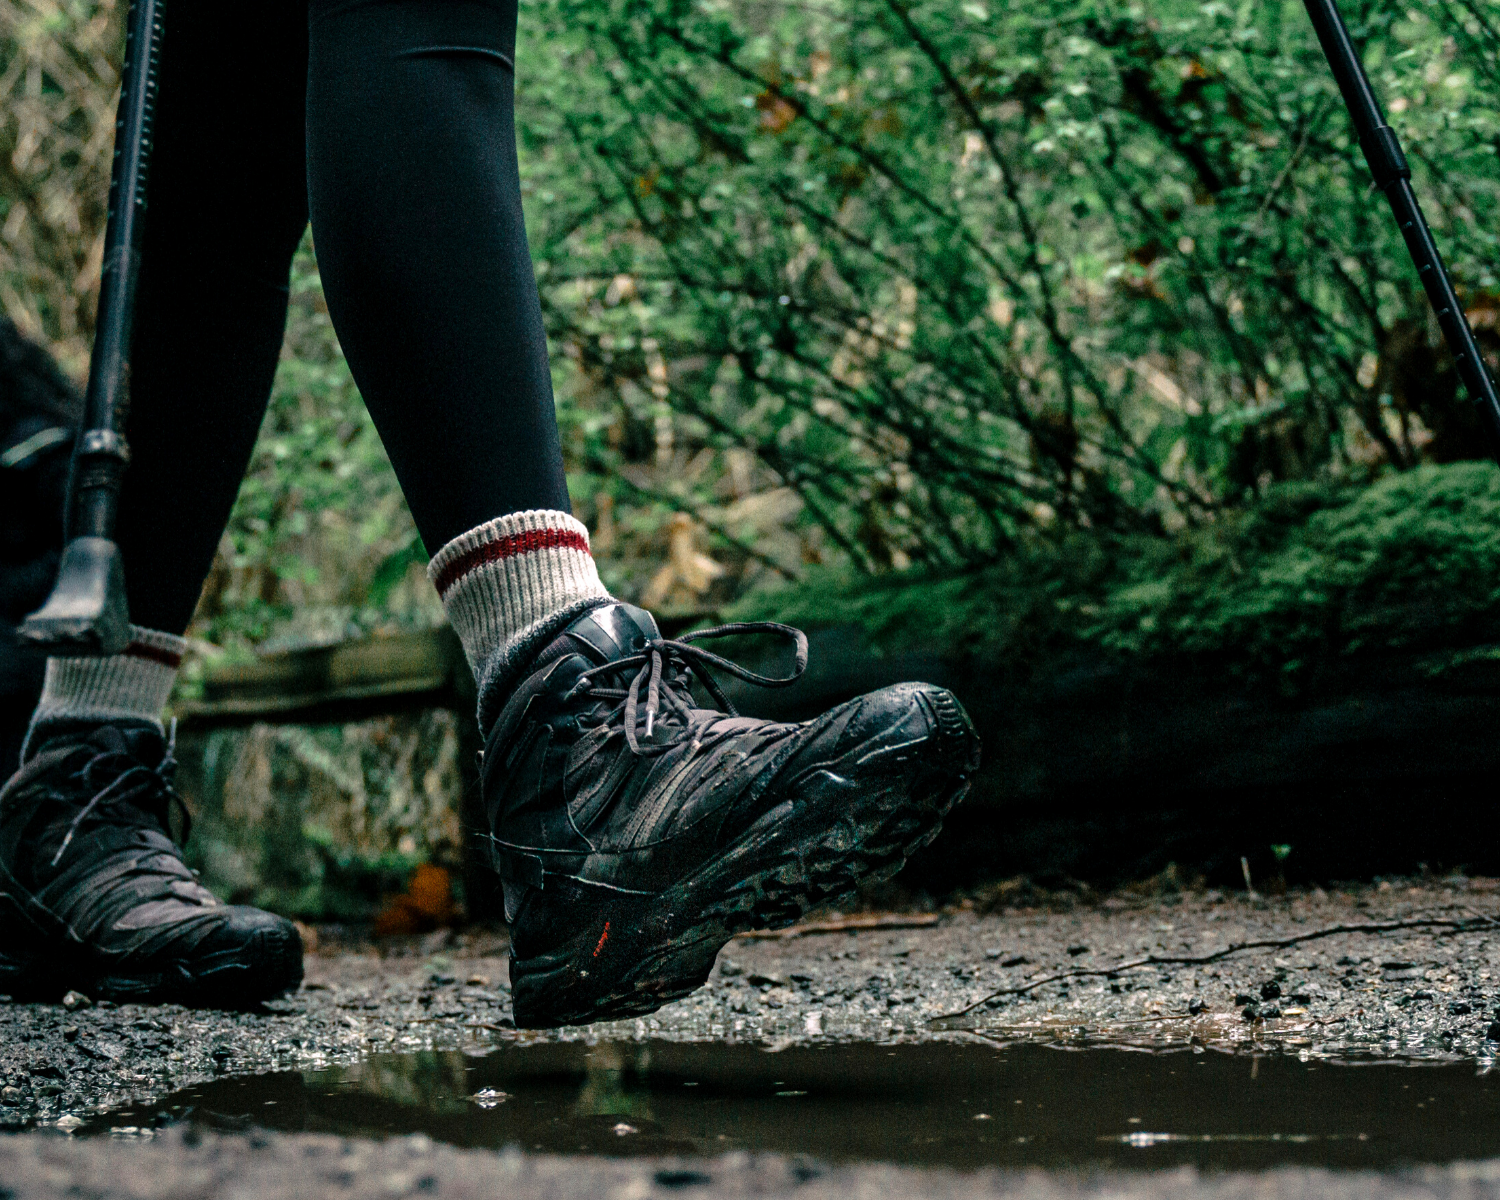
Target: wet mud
[{"x": 1275, "y": 1029}]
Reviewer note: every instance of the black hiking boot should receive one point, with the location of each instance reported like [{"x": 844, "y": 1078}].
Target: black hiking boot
[
  {"x": 94, "y": 894},
  {"x": 637, "y": 832}
]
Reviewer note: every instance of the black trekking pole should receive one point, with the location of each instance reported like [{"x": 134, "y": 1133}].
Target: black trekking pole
[
  {"x": 86, "y": 613},
  {"x": 1393, "y": 177}
]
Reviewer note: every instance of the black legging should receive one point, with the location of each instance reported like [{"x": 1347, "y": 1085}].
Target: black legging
[{"x": 393, "y": 122}]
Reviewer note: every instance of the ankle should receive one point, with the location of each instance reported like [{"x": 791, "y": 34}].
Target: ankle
[
  {"x": 130, "y": 689},
  {"x": 509, "y": 586}
]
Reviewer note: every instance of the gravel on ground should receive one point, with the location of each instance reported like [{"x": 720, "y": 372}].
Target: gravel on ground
[{"x": 1414, "y": 993}]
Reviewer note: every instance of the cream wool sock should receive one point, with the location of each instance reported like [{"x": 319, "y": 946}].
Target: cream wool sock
[
  {"x": 509, "y": 586},
  {"x": 131, "y": 686}
]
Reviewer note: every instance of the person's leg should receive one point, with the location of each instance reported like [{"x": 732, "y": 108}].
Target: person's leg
[
  {"x": 94, "y": 893},
  {"x": 416, "y": 212},
  {"x": 416, "y": 209},
  {"x": 636, "y": 830}
]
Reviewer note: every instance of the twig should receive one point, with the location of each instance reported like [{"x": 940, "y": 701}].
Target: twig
[
  {"x": 850, "y": 924},
  {"x": 1184, "y": 960}
]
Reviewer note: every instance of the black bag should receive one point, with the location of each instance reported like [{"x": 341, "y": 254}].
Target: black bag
[{"x": 39, "y": 415}]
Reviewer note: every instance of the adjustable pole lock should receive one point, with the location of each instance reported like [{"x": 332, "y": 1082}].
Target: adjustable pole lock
[
  {"x": 104, "y": 443},
  {"x": 1384, "y": 155}
]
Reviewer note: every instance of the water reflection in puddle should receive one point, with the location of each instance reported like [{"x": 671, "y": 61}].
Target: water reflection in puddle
[{"x": 946, "y": 1104}]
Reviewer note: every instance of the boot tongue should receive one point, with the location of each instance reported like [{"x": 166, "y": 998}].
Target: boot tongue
[
  {"x": 140, "y": 741},
  {"x": 612, "y": 632}
]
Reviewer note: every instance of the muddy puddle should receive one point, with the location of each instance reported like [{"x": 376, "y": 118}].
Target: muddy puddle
[{"x": 947, "y": 1104}]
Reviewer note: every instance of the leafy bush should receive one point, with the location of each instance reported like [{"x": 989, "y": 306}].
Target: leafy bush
[
  {"x": 956, "y": 272},
  {"x": 873, "y": 285},
  {"x": 1312, "y": 576}
]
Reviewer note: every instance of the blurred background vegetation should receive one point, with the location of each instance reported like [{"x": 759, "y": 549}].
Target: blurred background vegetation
[
  {"x": 841, "y": 289},
  {"x": 984, "y": 326}
]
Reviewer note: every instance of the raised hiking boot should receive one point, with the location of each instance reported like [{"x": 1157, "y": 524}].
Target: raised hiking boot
[
  {"x": 637, "y": 832},
  {"x": 94, "y": 894}
]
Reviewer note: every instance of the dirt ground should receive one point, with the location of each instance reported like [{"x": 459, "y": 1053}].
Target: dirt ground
[{"x": 1416, "y": 992}]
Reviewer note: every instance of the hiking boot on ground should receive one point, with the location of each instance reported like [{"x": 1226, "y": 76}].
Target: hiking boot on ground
[
  {"x": 636, "y": 832},
  {"x": 94, "y": 894}
]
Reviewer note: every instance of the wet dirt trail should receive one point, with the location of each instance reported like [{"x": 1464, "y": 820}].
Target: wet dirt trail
[{"x": 818, "y": 1064}]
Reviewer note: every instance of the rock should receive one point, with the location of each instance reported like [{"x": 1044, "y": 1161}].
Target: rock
[
  {"x": 1271, "y": 990},
  {"x": 11, "y": 1095},
  {"x": 1075, "y": 951},
  {"x": 1196, "y": 1006},
  {"x": 1244, "y": 998},
  {"x": 1250, "y": 1012},
  {"x": 1270, "y": 1012},
  {"x": 73, "y": 1001},
  {"x": 1018, "y": 961},
  {"x": 478, "y": 981},
  {"x": 1458, "y": 1009},
  {"x": 70, "y": 1033},
  {"x": 1493, "y": 1032}
]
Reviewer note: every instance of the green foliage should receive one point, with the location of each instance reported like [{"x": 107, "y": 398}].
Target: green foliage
[
  {"x": 989, "y": 290},
  {"x": 953, "y": 273},
  {"x": 323, "y": 822},
  {"x": 1312, "y": 576}
]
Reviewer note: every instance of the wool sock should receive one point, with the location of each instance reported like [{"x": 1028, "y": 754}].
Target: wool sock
[
  {"x": 132, "y": 686},
  {"x": 509, "y": 586}
]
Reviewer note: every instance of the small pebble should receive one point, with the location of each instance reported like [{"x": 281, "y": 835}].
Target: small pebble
[
  {"x": 1250, "y": 1012},
  {"x": 11, "y": 1095},
  {"x": 1196, "y": 1006},
  {"x": 73, "y": 1001},
  {"x": 1493, "y": 1032},
  {"x": 1270, "y": 990}
]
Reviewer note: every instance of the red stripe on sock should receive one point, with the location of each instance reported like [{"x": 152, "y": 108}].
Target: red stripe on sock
[
  {"x": 509, "y": 547},
  {"x": 167, "y": 658}
]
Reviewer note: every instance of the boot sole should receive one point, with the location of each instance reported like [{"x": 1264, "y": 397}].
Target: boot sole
[
  {"x": 274, "y": 967},
  {"x": 794, "y": 859}
]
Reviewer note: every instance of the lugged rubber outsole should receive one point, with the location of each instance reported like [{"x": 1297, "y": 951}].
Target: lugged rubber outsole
[
  {"x": 272, "y": 967},
  {"x": 645, "y": 951}
]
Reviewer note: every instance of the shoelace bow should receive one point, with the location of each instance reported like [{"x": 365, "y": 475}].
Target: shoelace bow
[
  {"x": 688, "y": 662},
  {"x": 136, "y": 782}
]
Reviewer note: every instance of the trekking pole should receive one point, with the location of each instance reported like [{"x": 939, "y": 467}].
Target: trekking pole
[
  {"x": 86, "y": 613},
  {"x": 1393, "y": 177}
]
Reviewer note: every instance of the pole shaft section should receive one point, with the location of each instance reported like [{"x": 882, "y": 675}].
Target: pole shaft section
[
  {"x": 1393, "y": 177},
  {"x": 101, "y": 453}
]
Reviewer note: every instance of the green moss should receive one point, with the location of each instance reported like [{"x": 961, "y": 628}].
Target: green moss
[{"x": 1313, "y": 575}]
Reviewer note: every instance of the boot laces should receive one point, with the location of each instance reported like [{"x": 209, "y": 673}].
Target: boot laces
[
  {"x": 667, "y": 668},
  {"x": 137, "y": 789}
]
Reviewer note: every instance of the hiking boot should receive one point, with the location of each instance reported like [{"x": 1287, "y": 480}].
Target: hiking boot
[
  {"x": 637, "y": 832},
  {"x": 94, "y": 894}
]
